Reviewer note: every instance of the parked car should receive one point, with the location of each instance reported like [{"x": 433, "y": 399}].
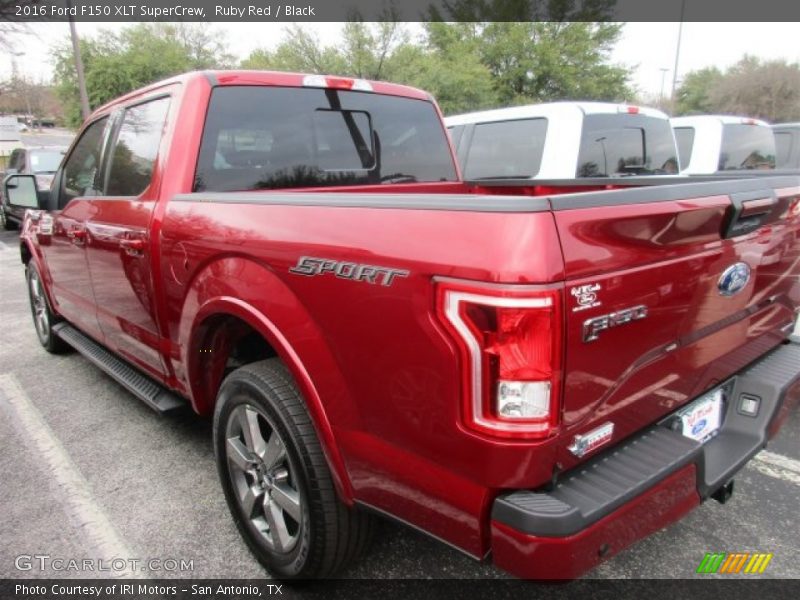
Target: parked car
[
  {"x": 710, "y": 144},
  {"x": 564, "y": 140},
  {"x": 42, "y": 163},
  {"x": 535, "y": 375},
  {"x": 787, "y": 145}
]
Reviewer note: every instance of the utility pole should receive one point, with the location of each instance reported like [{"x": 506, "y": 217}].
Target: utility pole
[
  {"x": 664, "y": 71},
  {"x": 677, "y": 58},
  {"x": 76, "y": 51}
]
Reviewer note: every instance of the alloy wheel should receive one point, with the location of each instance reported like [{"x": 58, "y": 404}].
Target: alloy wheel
[
  {"x": 41, "y": 315},
  {"x": 264, "y": 480}
]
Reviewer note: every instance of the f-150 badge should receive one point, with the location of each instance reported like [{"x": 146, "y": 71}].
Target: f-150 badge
[
  {"x": 593, "y": 327},
  {"x": 311, "y": 266}
]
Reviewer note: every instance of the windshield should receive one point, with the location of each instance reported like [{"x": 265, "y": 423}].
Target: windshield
[
  {"x": 270, "y": 137},
  {"x": 626, "y": 144},
  {"x": 45, "y": 161},
  {"x": 746, "y": 147}
]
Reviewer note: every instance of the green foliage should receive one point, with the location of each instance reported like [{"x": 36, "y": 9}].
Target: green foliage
[
  {"x": 469, "y": 66},
  {"x": 465, "y": 65},
  {"x": 117, "y": 63},
  {"x": 692, "y": 96},
  {"x": 524, "y": 10},
  {"x": 755, "y": 88}
]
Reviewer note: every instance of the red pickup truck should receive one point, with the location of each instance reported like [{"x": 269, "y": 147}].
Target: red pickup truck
[{"x": 536, "y": 373}]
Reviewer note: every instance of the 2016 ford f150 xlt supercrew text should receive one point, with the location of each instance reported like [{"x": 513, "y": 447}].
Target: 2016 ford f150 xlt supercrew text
[{"x": 537, "y": 372}]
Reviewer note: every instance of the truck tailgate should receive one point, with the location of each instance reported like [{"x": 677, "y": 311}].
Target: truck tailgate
[{"x": 670, "y": 290}]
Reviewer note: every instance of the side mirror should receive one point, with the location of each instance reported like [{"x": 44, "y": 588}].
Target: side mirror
[{"x": 21, "y": 191}]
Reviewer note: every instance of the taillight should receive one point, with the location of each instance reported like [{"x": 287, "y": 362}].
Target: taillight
[{"x": 509, "y": 341}]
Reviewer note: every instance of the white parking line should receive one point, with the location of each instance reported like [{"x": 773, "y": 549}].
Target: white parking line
[
  {"x": 73, "y": 491},
  {"x": 777, "y": 466}
]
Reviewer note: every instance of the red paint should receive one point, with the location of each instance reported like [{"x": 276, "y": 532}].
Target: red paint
[
  {"x": 532, "y": 557},
  {"x": 381, "y": 374}
]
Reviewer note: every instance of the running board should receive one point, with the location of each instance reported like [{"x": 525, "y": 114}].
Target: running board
[{"x": 145, "y": 389}]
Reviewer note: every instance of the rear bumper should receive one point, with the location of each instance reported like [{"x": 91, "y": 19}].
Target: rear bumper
[{"x": 641, "y": 485}]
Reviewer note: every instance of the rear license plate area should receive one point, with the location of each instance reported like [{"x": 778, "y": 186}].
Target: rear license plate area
[{"x": 701, "y": 419}]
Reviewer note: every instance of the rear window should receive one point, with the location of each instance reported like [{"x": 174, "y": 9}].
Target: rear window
[
  {"x": 684, "y": 138},
  {"x": 269, "y": 137},
  {"x": 626, "y": 144},
  {"x": 746, "y": 147},
  {"x": 783, "y": 148},
  {"x": 506, "y": 149}
]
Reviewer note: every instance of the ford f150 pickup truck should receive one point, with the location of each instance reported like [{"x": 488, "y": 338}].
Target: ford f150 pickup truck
[
  {"x": 536, "y": 373},
  {"x": 564, "y": 140}
]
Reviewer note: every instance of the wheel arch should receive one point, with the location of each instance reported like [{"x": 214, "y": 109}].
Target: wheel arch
[{"x": 225, "y": 322}]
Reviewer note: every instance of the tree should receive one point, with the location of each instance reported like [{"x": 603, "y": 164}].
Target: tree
[
  {"x": 540, "y": 61},
  {"x": 762, "y": 89},
  {"x": 10, "y": 24},
  {"x": 767, "y": 90},
  {"x": 117, "y": 63},
  {"x": 366, "y": 51},
  {"x": 523, "y": 10},
  {"x": 467, "y": 66},
  {"x": 692, "y": 96}
]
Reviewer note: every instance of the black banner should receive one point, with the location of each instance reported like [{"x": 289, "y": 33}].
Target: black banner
[
  {"x": 390, "y": 589},
  {"x": 400, "y": 10}
]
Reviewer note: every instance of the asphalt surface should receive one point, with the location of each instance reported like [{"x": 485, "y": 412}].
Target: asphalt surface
[
  {"x": 54, "y": 136},
  {"x": 88, "y": 471}
]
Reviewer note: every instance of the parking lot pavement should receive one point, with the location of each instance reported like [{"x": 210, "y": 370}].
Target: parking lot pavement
[
  {"x": 55, "y": 136},
  {"x": 88, "y": 471}
]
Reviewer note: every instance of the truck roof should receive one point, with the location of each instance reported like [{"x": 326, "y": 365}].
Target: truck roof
[
  {"x": 724, "y": 119},
  {"x": 277, "y": 78},
  {"x": 551, "y": 110}
]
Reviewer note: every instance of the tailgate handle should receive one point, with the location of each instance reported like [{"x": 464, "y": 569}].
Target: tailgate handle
[{"x": 748, "y": 212}]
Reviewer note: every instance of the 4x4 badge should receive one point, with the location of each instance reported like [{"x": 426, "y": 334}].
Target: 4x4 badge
[{"x": 585, "y": 443}]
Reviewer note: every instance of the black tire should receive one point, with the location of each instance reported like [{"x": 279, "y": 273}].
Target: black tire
[
  {"x": 5, "y": 223},
  {"x": 327, "y": 534},
  {"x": 43, "y": 316}
]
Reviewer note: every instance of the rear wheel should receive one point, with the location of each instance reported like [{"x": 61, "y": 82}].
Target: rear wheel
[
  {"x": 43, "y": 317},
  {"x": 276, "y": 481}
]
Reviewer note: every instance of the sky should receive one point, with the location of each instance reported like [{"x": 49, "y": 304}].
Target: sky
[{"x": 649, "y": 48}]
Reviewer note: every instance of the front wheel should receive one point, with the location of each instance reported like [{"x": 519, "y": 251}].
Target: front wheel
[
  {"x": 275, "y": 478},
  {"x": 43, "y": 317}
]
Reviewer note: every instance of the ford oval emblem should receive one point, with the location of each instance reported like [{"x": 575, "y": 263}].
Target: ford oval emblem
[
  {"x": 734, "y": 279},
  {"x": 699, "y": 426}
]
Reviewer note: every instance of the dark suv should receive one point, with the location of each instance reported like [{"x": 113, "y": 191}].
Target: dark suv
[{"x": 41, "y": 162}]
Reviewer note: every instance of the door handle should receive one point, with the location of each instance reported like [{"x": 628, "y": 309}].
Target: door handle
[
  {"x": 132, "y": 246},
  {"x": 77, "y": 236}
]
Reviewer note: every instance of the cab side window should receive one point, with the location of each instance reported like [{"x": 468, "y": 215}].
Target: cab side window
[
  {"x": 136, "y": 148},
  {"x": 81, "y": 175}
]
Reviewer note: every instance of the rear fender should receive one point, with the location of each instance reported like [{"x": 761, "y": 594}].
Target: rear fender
[{"x": 249, "y": 291}]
